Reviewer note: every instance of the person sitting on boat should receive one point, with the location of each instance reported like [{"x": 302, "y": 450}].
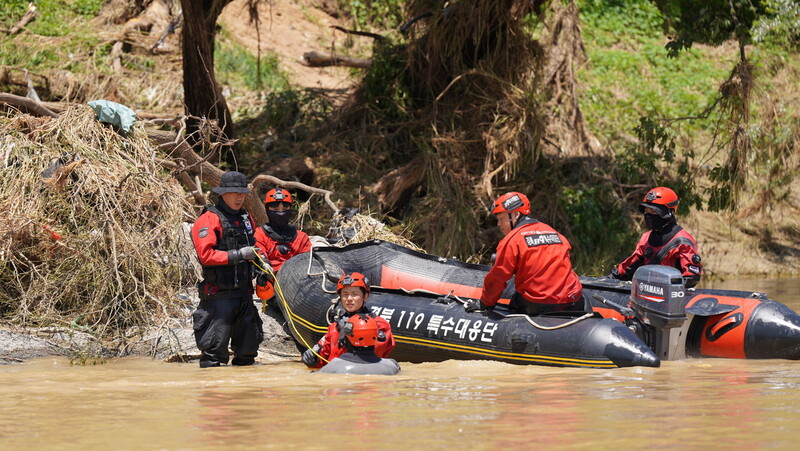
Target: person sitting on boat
[
  {"x": 353, "y": 291},
  {"x": 538, "y": 258},
  {"x": 666, "y": 243},
  {"x": 278, "y": 239},
  {"x": 359, "y": 336},
  {"x": 224, "y": 239}
]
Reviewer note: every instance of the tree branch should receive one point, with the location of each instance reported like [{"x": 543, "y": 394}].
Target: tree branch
[
  {"x": 261, "y": 179},
  {"x": 26, "y": 105}
]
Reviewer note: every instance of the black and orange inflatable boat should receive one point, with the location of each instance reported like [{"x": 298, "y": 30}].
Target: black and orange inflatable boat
[{"x": 422, "y": 296}]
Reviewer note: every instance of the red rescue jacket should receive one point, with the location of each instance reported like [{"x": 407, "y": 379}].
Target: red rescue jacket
[
  {"x": 330, "y": 349},
  {"x": 277, "y": 248},
  {"x": 212, "y": 243},
  {"x": 538, "y": 258},
  {"x": 676, "y": 248}
]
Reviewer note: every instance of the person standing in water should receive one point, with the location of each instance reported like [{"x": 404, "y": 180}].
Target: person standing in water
[
  {"x": 358, "y": 337},
  {"x": 666, "y": 243},
  {"x": 224, "y": 239},
  {"x": 353, "y": 292}
]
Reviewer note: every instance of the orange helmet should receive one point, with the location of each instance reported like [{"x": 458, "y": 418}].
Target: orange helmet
[
  {"x": 511, "y": 202},
  {"x": 361, "y": 330},
  {"x": 661, "y": 199},
  {"x": 278, "y": 195},
  {"x": 355, "y": 279}
]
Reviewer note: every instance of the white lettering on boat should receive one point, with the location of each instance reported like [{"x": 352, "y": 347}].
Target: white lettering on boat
[{"x": 441, "y": 326}]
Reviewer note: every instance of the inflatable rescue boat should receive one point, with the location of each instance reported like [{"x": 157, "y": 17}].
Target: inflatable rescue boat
[{"x": 636, "y": 323}]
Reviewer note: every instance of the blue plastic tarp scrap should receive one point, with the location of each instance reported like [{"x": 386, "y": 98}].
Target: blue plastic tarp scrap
[{"x": 120, "y": 116}]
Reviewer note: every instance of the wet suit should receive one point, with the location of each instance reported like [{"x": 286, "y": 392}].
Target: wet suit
[
  {"x": 226, "y": 312},
  {"x": 538, "y": 258},
  {"x": 670, "y": 245}
]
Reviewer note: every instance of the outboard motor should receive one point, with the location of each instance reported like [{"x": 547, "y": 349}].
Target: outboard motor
[{"x": 658, "y": 298}]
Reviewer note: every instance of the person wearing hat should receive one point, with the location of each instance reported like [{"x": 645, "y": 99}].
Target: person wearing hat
[
  {"x": 353, "y": 292},
  {"x": 537, "y": 256},
  {"x": 224, "y": 238},
  {"x": 666, "y": 243}
]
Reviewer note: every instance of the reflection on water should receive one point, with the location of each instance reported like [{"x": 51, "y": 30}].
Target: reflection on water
[{"x": 141, "y": 403}]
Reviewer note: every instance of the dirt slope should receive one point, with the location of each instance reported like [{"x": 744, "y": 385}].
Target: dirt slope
[{"x": 288, "y": 29}]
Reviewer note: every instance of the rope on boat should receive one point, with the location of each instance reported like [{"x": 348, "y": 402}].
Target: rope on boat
[
  {"x": 560, "y": 326},
  {"x": 267, "y": 268},
  {"x": 324, "y": 272},
  {"x": 516, "y": 315}
]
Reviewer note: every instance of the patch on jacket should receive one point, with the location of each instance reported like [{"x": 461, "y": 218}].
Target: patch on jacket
[
  {"x": 543, "y": 239},
  {"x": 203, "y": 232}
]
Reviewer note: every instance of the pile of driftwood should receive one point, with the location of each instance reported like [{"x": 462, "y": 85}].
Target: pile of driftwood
[{"x": 93, "y": 233}]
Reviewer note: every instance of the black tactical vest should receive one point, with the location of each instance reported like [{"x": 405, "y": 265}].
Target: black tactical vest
[{"x": 238, "y": 276}]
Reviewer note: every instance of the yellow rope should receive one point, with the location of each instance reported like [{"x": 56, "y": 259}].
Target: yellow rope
[{"x": 267, "y": 268}]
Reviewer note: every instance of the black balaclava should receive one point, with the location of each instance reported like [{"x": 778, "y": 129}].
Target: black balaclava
[
  {"x": 279, "y": 219},
  {"x": 656, "y": 222}
]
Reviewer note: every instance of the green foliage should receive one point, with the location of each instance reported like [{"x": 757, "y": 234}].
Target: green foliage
[
  {"x": 612, "y": 21},
  {"x": 86, "y": 7},
  {"x": 654, "y": 160},
  {"x": 780, "y": 26},
  {"x": 599, "y": 226},
  {"x": 12, "y": 10},
  {"x": 237, "y": 66},
  {"x": 383, "y": 84},
  {"x": 371, "y": 14},
  {"x": 709, "y": 21}
]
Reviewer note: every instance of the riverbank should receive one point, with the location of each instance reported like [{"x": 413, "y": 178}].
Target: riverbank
[{"x": 173, "y": 341}]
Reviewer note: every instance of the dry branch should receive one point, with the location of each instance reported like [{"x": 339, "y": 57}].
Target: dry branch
[
  {"x": 396, "y": 187},
  {"x": 319, "y": 59},
  {"x": 297, "y": 185},
  {"x": 30, "y": 14},
  {"x": 26, "y": 105},
  {"x": 180, "y": 150}
]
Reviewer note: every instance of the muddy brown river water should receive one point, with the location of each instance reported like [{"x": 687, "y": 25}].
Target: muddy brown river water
[{"x": 146, "y": 404}]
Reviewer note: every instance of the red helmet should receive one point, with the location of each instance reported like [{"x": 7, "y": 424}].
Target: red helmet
[
  {"x": 361, "y": 330},
  {"x": 511, "y": 202},
  {"x": 278, "y": 195},
  {"x": 355, "y": 279},
  {"x": 661, "y": 199}
]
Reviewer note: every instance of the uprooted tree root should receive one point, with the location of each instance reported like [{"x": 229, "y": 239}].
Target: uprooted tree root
[{"x": 91, "y": 235}]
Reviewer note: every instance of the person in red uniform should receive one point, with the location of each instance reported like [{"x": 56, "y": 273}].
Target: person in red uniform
[
  {"x": 353, "y": 291},
  {"x": 538, "y": 258},
  {"x": 278, "y": 239},
  {"x": 666, "y": 243},
  {"x": 224, "y": 238},
  {"x": 360, "y": 336}
]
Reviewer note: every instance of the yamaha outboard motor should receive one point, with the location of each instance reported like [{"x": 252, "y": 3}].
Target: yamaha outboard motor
[{"x": 658, "y": 298}]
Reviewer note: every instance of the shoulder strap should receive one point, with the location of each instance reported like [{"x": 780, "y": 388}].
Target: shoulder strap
[{"x": 670, "y": 246}]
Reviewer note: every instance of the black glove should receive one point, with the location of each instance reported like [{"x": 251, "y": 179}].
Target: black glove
[
  {"x": 474, "y": 305},
  {"x": 245, "y": 253},
  {"x": 264, "y": 278},
  {"x": 309, "y": 356},
  {"x": 248, "y": 253},
  {"x": 381, "y": 336},
  {"x": 614, "y": 274}
]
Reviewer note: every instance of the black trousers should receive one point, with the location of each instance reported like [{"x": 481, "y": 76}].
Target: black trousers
[
  {"x": 518, "y": 304},
  {"x": 232, "y": 320}
]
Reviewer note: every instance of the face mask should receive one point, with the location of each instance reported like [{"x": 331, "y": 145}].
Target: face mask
[
  {"x": 279, "y": 218},
  {"x": 654, "y": 222}
]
